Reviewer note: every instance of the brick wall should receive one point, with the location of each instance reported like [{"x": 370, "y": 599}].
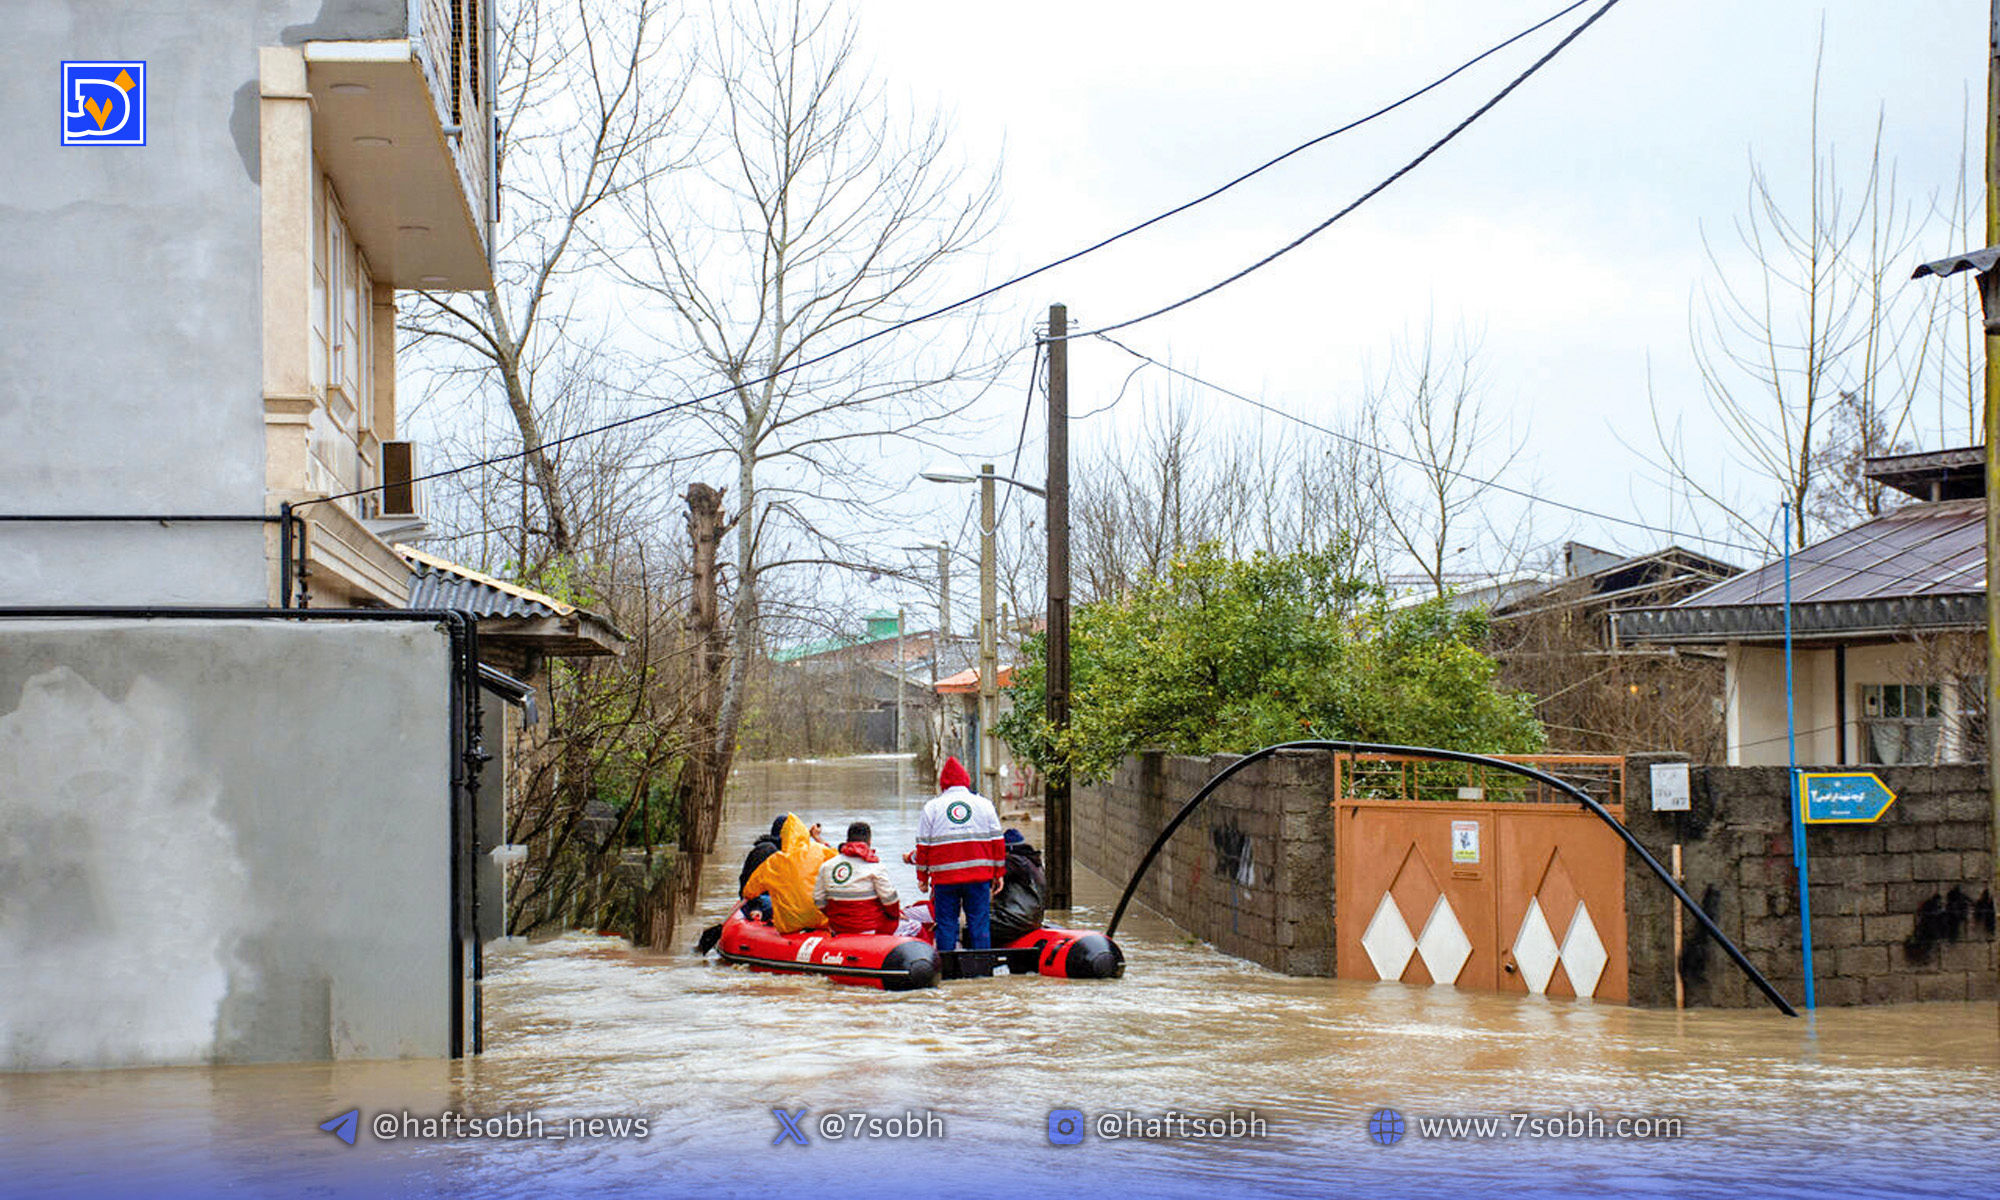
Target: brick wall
[
  {"x": 1901, "y": 909},
  {"x": 1250, "y": 872}
]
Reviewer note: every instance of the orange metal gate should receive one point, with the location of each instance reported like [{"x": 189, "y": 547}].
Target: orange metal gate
[{"x": 1452, "y": 875}]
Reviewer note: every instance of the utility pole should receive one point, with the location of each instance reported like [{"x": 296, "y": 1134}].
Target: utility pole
[
  {"x": 1056, "y": 784},
  {"x": 989, "y": 650},
  {"x": 898, "y": 746},
  {"x": 1990, "y": 430},
  {"x": 944, "y": 591}
]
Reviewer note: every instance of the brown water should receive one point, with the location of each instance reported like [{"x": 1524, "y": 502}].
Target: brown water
[{"x": 1886, "y": 1101}]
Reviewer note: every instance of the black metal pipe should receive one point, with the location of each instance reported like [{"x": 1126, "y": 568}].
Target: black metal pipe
[
  {"x": 140, "y": 518},
  {"x": 475, "y": 760},
  {"x": 283, "y": 518},
  {"x": 1581, "y": 796},
  {"x": 285, "y": 554}
]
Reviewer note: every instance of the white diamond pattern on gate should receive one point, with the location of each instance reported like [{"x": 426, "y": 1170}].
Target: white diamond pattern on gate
[
  {"x": 1443, "y": 944},
  {"x": 1583, "y": 953},
  {"x": 1388, "y": 941},
  {"x": 1535, "y": 950}
]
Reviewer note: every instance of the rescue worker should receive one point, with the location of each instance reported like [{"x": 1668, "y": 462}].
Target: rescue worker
[
  {"x": 788, "y": 876},
  {"x": 960, "y": 859},
  {"x": 854, "y": 891},
  {"x": 1023, "y": 898}
]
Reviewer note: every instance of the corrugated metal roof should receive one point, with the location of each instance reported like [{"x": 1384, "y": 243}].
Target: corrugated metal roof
[
  {"x": 432, "y": 588},
  {"x": 1922, "y": 550},
  {"x": 438, "y": 583},
  {"x": 461, "y": 587},
  {"x": 1919, "y": 567}
]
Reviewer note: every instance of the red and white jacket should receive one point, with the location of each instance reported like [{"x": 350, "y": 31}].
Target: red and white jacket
[
  {"x": 959, "y": 840},
  {"x": 855, "y": 893}
]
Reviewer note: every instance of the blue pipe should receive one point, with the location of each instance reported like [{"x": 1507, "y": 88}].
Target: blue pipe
[{"x": 1796, "y": 798}]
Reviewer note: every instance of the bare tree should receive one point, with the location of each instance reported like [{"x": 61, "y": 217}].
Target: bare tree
[
  {"x": 1430, "y": 408},
  {"x": 1813, "y": 355},
  {"x": 585, "y": 99},
  {"x": 814, "y": 217}
]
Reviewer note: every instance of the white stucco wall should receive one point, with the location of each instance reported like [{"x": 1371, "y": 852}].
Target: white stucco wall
[
  {"x": 223, "y": 841},
  {"x": 1754, "y": 713},
  {"x": 130, "y": 304}
]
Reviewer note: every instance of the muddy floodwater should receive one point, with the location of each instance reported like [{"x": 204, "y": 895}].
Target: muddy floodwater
[{"x": 612, "y": 1072}]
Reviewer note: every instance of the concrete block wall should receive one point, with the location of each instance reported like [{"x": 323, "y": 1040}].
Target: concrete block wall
[
  {"x": 1251, "y": 872},
  {"x": 1902, "y": 909}
]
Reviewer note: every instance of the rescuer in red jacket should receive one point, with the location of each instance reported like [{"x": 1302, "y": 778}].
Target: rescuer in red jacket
[
  {"x": 853, "y": 890},
  {"x": 960, "y": 858}
]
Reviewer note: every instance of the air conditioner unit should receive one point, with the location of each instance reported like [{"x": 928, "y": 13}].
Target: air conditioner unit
[{"x": 401, "y": 495}]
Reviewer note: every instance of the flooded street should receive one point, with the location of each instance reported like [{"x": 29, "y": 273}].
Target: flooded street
[{"x": 1854, "y": 1102}]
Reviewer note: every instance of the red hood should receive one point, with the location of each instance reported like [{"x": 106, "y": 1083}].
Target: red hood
[
  {"x": 860, "y": 850},
  {"x": 953, "y": 775}
]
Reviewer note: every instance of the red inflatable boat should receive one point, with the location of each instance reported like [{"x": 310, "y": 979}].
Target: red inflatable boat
[{"x": 901, "y": 964}]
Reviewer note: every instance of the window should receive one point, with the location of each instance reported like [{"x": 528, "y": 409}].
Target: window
[{"x": 1901, "y": 722}]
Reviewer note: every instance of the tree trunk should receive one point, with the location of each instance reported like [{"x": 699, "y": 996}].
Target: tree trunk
[
  {"x": 531, "y": 432},
  {"x": 707, "y": 765}
]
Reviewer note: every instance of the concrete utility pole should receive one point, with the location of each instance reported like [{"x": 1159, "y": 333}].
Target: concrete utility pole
[
  {"x": 898, "y": 747},
  {"x": 1056, "y": 785},
  {"x": 944, "y": 595},
  {"x": 989, "y": 649}
]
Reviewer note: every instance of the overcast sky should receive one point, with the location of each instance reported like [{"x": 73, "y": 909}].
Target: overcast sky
[{"x": 1566, "y": 226}]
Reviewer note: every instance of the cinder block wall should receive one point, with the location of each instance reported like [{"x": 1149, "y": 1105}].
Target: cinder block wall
[
  {"x": 1901, "y": 909},
  {"x": 1250, "y": 872}
]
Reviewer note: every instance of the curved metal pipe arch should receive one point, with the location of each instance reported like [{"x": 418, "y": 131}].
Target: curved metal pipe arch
[{"x": 1484, "y": 760}]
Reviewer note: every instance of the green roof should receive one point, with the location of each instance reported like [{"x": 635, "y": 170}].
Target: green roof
[{"x": 882, "y": 627}]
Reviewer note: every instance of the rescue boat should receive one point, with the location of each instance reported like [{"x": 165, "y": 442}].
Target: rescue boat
[{"x": 901, "y": 964}]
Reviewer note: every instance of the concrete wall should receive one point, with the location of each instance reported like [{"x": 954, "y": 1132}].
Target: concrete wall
[
  {"x": 130, "y": 313},
  {"x": 223, "y": 841},
  {"x": 1251, "y": 872},
  {"x": 1902, "y": 909}
]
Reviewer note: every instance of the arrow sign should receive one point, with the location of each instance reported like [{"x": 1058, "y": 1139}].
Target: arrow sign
[
  {"x": 344, "y": 1125},
  {"x": 1844, "y": 798}
]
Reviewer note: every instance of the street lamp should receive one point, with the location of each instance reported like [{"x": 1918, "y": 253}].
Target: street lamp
[
  {"x": 1986, "y": 265},
  {"x": 984, "y": 471},
  {"x": 989, "y": 649}
]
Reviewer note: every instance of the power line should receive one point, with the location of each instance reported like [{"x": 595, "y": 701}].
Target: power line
[
  {"x": 1005, "y": 284},
  {"x": 1798, "y": 557},
  {"x": 1379, "y": 188},
  {"x": 1364, "y": 444},
  {"x": 1027, "y": 408}
]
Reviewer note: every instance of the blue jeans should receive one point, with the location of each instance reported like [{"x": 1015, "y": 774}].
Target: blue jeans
[{"x": 976, "y": 899}]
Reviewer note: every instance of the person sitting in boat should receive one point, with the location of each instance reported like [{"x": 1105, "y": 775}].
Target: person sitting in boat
[
  {"x": 960, "y": 858},
  {"x": 764, "y": 847},
  {"x": 1023, "y": 897},
  {"x": 853, "y": 889},
  {"x": 787, "y": 876}
]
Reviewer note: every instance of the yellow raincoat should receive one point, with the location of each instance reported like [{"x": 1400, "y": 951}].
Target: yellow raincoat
[{"x": 788, "y": 875}]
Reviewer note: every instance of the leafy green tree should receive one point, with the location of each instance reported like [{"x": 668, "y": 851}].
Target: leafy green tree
[{"x": 1228, "y": 655}]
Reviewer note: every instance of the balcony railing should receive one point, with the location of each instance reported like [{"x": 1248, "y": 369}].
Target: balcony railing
[{"x": 457, "y": 60}]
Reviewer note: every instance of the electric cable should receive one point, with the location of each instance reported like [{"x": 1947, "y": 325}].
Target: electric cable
[
  {"x": 1798, "y": 557},
  {"x": 997, "y": 288},
  {"x": 1372, "y": 192}
]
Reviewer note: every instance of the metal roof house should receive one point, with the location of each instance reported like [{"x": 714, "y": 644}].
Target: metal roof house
[{"x": 1887, "y": 665}]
